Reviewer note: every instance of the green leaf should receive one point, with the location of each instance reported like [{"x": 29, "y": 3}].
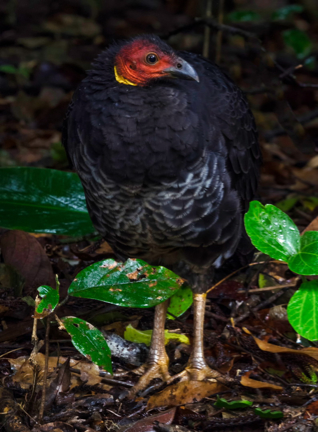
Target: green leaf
[
  {"x": 268, "y": 414},
  {"x": 131, "y": 284},
  {"x": 302, "y": 310},
  {"x": 180, "y": 302},
  {"x": 239, "y": 404},
  {"x": 287, "y": 204},
  {"x": 43, "y": 200},
  {"x": 272, "y": 231},
  {"x": 144, "y": 336},
  {"x": 286, "y": 11},
  {"x": 7, "y": 68},
  {"x": 89, "y": 341},
  {"x": 299, "y": 41},
  {"x": 50, "y": 299},
  {"x": 243, "y": 15},
  {"x": 305, "y": 262}
]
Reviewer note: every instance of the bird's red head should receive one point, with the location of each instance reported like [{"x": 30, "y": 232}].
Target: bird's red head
[{"x": 142, "y": 60}]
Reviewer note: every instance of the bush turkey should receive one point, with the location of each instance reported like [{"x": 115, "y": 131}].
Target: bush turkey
[{"x": 167, "y": 151}]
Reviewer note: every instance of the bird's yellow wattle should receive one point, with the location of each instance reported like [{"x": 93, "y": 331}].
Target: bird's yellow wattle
[{"x": 121, "y": 79}]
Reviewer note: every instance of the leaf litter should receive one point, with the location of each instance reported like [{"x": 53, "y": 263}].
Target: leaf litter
[{"x": 272, "y": 366}]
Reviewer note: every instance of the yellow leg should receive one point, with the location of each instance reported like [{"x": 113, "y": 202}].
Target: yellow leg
[
  {"x": 197, "y": 368},
  {"x": 158, "y": 361}
]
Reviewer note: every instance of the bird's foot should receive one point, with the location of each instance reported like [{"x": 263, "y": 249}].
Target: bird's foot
[
  {"x": 191, "y": 373},
  {"x": 149, "y": 372}
]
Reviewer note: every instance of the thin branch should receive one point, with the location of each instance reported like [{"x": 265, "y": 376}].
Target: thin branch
[{"x": 207, "y": 31}]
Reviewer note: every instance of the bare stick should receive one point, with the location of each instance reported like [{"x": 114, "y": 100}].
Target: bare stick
[
  {"x": 46, "y": 367},
  {"x": 220, "y": 32},
  {"x": 207, "y": 31}
]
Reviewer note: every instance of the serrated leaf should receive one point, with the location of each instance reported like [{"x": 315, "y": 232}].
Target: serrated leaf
[
  {"x": 243, "y": 16},
  {"x": 272, "y": 231},
  {"x": 299, "y": 41},
  {"x": 144, "y": 336},
  {"x": 131, "y": 284},
  {"x": 286, "y": 11},
  {"x": 89, "y": 341},
  {"x": 180, "y": 302},
  {"x": 305, "y": 262},
  {"x": 50, "y": 299},
  {"x": 302, "y": 310},
  {"x": 43, "y": 201},
  {"x": 239, "y": 404},
  {"x": 268, "y": 414}
]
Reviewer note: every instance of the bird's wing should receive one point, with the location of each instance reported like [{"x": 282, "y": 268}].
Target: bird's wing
[{"x": 228, "y": 109}]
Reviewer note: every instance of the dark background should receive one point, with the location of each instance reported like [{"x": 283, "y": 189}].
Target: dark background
[{"x": 46, "y": 47}]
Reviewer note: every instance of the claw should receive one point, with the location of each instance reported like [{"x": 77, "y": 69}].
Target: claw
[{"x": 157, "y": 370}]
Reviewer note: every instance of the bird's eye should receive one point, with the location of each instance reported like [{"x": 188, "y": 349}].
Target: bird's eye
[{"x": 152, "y": 58}]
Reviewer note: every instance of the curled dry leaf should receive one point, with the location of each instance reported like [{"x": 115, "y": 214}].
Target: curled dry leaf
[
  {"x": 313, "y": 226},
  {"x": 266, "y": 346},
  {"x": 24, "y": 376},
  {"x": 25, "y": 254},
  {"x": 249, "y": 382},
  {"x": 184, "y": 393}
]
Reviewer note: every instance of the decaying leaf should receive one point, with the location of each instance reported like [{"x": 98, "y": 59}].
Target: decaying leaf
[{"x": 184, "y": 393}]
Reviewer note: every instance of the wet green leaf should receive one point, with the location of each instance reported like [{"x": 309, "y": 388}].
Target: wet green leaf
[
  {"x": 299, "y": 41},
  {"x": 43, "y": 200},
  {"x": 268, "y": 414},
  {"x": 50, "y": 299},
  {"x": 131, "y": 284},
  {"x": 243, "y": 15},
  {"x": 305, "y": 262},
  {"x": 272, "y": 231},
  {"x": 238, "y": 404},
  {"x": 287, "y": 11},
  {"x": 180, "y": 302},
  {"x": 89, "y": 341},
  {"x": 302, "y": 310},
  {"x": 144, "y": 336}
]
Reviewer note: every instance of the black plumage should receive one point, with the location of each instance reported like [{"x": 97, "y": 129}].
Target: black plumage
[{"x": 168, "y": 167}]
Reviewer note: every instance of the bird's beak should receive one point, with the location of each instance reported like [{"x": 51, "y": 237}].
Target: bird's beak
[{"x": 183, "y": 70}]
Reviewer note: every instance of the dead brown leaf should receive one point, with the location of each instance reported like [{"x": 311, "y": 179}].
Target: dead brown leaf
[
  {"x": 184, "y": 393},
  {"x": 88, "y": 372},
  {"x": 147, "y": 424},
  {"x": 313, "y": 226},
  {"x": 266, "y": 346},
  {"x": 25, "y": 254},
  {"x": 249, "y": 382}
]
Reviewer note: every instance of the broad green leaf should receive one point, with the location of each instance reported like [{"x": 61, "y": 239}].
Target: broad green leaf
[
  {"x": 286, "y": 11},
  {"x": 50, "y": 299},
  {"x": 272, "y": 231},
  {"x": 89, "y": 341},
  {"x": 268, "y": 414},
  {"x": 238, "y": 404},
  {"x": 302, "y": 310},
  {"x": 244, "y": 15},
  {"x": 144, "y": 336},
  {"x": 131, "y": 284},
  {"x": 287, "y": 204},
  {"x": 305, "y": 262},
  {"x": 180, "y": 302},
  {"x": 7, "y": 68},
  {"x": 299, "y": 41},
  {"x": 43, "y": 200}
]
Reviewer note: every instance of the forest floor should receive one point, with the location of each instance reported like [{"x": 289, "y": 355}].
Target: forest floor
[{"x": 44, "y": 55}]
